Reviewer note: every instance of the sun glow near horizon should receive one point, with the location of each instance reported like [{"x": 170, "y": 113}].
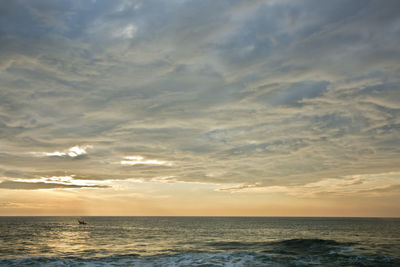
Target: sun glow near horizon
[{"x": 165, "y": 196}]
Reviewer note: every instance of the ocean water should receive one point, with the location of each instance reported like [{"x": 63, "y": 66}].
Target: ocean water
[{"x": 199, "y": 241}]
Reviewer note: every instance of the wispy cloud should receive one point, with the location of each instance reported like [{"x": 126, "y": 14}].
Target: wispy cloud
[
  {"x": 136, "y": 160},
  {"x": 127, "y": 32},
  {"x": 356, "y": 185},
  {"x": 50, "y": 183},
  {"x": 72, "y": 152}
]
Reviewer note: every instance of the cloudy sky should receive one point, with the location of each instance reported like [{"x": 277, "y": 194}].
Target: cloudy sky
[{"x": 176, "y": 107}]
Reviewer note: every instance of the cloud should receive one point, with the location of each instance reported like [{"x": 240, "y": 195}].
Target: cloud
[
  {"x": 42, "y": 185},
  {"x": 126, "y": 32},
  {"x": 377, "y": 185},
  {"x": 135, "y": 160},
  {"x": 67, "y": 181},
  {"x": 295, "y": 93},
  {"x": 72, "y": 152},
  {"x": 277, "y": 94}
]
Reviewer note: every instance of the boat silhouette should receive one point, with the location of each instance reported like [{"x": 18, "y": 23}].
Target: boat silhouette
[{"x": 81, "y": 222}]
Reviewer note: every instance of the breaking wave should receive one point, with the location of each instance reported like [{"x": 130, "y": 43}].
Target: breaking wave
[{"x": 293, "y": 252}]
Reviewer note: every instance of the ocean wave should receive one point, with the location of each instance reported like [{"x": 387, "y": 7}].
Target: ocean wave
[
  {"x": 290, "y": 246},
  {"x": 187, "y": 259},
  {"x": 207, "y": 259}
]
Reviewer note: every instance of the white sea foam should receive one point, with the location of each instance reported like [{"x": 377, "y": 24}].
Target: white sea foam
[
  {"x": 187, "y": 259},
  {"x": 237, "y": 259}
]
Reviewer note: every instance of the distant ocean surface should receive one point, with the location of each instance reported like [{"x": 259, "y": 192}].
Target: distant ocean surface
[{"x": 199, "y": 241}]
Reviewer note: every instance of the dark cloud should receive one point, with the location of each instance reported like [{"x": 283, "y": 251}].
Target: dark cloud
[
  {"x": 295, "y": 93},
  {"x": 41, "y": 185}
]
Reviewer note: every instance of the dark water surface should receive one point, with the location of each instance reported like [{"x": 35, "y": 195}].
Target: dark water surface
[{"x": 199, "y": 241}]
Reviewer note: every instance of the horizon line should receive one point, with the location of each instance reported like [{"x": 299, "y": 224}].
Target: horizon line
[{"x": 209, "y": 216}]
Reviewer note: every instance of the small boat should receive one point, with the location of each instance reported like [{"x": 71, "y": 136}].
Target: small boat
[{"x": 81, "y": 222}]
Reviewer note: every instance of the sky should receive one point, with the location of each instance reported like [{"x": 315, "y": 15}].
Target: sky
[{"x": 202, "y": 107}]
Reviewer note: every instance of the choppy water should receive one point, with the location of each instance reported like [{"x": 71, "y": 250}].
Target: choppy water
[{"x": 199, "y": 241}]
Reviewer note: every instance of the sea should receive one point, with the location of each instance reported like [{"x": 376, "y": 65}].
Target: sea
[{"x": 199, "y": 241}]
